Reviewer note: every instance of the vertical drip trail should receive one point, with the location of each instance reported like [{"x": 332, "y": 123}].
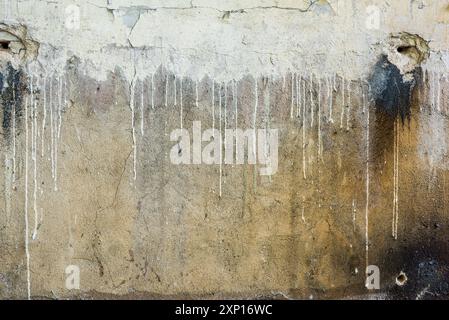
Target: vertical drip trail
[
  {"x": 343, "y": 101},
  {"x": 304, "y": 137},
  {"x": 34, "y": 158},
  {"x": 432, "y": 89},
  {"x": 348, "y": 107},
  {"x": 367, "y": 181},
  {"x": 225, "y": 109},
  {"x": 133, "y": 129},
  {"x": 196, "y": 93},
  {"x": 424, "y": 86},
  {"x": 354, "y": 214},
  {"x": 221, "y": 147},
  {"x": 44, "y": 114},
  {"x": 181, "y": 116},
  {"x": 152, "y": 91},
  {"x": 319, "y": 121},
  {"x": 234, "y": 98},
  {"x": 311, "y": 100},
  {"x": 142, "y": 132},
  {"x": 298, "y": 95},
  {"x": 256, "y": 106},
  {"x": 166, "y": 90},
  {"x": 174, "y": 91},
  {"x": 303, "y": 218},
  {"x": 27, "y": 250},
  {"x": 395, "y": 182},
  {"x": 438, "y": 97},
  {"x": 14, "y": 133},
  {"x": 292, "y": 95},
  {"x": 331, "y": 98},
  {"x": 57, "y": 133},
  {"x": 328, "y": 94},
  {"x": 267, "y": 104},
  {"x": 51, "y": 129},
  {"x": 213, "y": 107}
]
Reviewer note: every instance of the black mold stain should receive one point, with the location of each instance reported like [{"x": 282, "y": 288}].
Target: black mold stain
[
  {"x": 425, "y": 264},
  {"x": 11, "y": 90},
  {"x": 392, "y": 95}
]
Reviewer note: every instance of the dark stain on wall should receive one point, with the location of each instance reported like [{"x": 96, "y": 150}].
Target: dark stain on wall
[
  {"x": 11, "y": 92},
  {"x": 392, "y": 95}
]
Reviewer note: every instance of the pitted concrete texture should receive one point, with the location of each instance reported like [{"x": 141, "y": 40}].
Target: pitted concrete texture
[{"x": 94, "y": 205}]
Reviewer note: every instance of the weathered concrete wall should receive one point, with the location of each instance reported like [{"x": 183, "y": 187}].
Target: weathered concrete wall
[{"x": 92, "y": 91}]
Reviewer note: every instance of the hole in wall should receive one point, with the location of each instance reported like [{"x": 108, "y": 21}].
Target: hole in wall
[
  {"x": 407, "y": 49},
  {"x": 401, "y": 279},
  {"x": 4, "y": 45},
  {"x": 15, "y": 46}
]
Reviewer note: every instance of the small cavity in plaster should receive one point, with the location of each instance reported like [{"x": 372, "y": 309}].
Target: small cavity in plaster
[{"x": 401, "y": 279}]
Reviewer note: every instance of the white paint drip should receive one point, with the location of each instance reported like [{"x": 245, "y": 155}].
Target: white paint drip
[
  {"x": 343, "y": 101},
  {"x": 52, "y": 135},
  {"x": 152, "y": 91},
  {"x": 302, "y": 211},
  {"x": 174, "y": 84},
  {"x": 438, "y": 97},
  {"x": 354, "y": 214},
  {"x": 221, "y": 147},
  {"x": 304, "y": 139},
  {"x": 166, "y": 90},
  {"x": 319, "y": 120},
  {"x": 131, "y": 106},
  {"x": 424, "y": 76},
  {"x": 298, "y": 95},
  {"x": 234, "y": 98},
  {"x": 60, "y": 106},
  {"x": 432, "y": 89},
  {"x": 44, "y": 116},
  {"x": 181, "y": 115},
  {"x": 27, "y": 250},
  {"x": 14, "y": 133},
  {"x": 293, "y": 100},
  {"x": 196, "y": 93},
  {"x": 331, "y": 101},
  {"x": 142, "y": 131},
  {"x": 363, "y": 102},
  {"x": 348, "y": 108},
  {"x": 213, "y": 106},
  {"x": 304, "y": 97},
  {"x": 58, "y": 134},
  {"x": 311, "y": 100},
  {"x": 225, "y": 109},
  {"x": 395, "y": 182},
  {"x": 34, "y": 158},
  {"x": 256, "y": 105},
  {"x": 367, "y": 192}
]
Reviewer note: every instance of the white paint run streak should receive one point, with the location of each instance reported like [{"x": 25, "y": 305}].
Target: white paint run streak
[
  {"x": 354, "y": 214},
  {"x": 304, "y": 139},
  {"x": 220, "y": 153},
  {"x": 395, "y": 182},
  {"x": 142, "y": 132},
  {"x": 27, "y": 250},
  {"x": 292, "y": 94},
  {"x": 14, "y": 133},
  {"x": 131, "y": 106},
  {"x": 367, "y": 191}
]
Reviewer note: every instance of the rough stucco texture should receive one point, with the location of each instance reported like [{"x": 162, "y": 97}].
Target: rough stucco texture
[{"x": 92, "y": 91}]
